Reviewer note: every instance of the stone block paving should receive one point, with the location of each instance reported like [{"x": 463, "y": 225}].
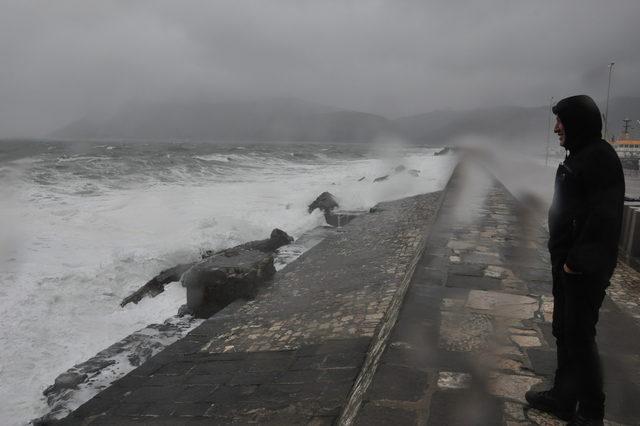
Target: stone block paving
[
  {"x": 474, "y": 334},
  {"x": 291, "y": 355}
]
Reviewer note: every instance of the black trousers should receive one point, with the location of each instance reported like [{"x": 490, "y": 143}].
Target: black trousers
[{"x": 576, "y": 304}]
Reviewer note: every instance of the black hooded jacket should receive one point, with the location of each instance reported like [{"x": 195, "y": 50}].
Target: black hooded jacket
[{"x": 585, "y": 217}]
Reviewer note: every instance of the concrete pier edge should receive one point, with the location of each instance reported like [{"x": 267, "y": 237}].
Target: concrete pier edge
[{"x": 380, "y": 340}]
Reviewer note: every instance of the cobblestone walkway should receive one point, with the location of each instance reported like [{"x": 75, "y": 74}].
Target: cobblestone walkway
[
  {"x": 290, "y": 356},
  {"x": 474, "y": 333}
]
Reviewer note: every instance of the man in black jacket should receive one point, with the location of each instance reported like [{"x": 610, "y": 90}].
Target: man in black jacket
[{"x": 585, "y": 220}]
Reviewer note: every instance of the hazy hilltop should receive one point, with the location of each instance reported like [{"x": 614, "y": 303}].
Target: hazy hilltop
[
  {"x": 507, "y": 123},
  {"x": 264, "y": 120},
  {"x": 297, "y": 120}
]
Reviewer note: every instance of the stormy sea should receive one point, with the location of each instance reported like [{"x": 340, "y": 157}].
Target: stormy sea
[{"x": 85, "y": 224}]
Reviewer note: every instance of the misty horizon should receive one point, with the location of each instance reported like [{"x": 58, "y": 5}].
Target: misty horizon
[
  {"x": 68, "y": 60},
  {"x": 294, "y": 120}
]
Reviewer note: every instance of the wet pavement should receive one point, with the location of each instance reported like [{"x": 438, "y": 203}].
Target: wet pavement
[
  {"x": 394, "y": 320},
  {"x": 474, "y": 330}
]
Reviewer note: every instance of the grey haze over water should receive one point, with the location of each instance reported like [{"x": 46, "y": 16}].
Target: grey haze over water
[{"x": 63, "y": 60}]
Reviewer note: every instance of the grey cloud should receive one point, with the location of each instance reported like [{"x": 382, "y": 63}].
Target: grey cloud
[{"x": 65, "y": 59}]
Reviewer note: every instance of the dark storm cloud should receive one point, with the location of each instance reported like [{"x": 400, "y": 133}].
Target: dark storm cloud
[{"x": 60, "y": 60}]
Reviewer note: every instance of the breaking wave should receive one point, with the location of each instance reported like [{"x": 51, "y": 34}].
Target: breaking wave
[{"x": 88, "y": 224}]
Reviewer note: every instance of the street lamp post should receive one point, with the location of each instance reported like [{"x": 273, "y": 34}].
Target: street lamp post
[
  {"x": 546, "y": 159},
  {"x": 606, "y": 111}
]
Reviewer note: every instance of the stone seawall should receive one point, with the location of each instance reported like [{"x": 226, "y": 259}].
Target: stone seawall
[
  {"x": 291, "y": 355},
  {"x": 434, "y": 309}
]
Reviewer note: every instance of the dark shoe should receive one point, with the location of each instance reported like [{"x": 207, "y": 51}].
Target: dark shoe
[
  {"x": 581, "y": 420},
  {"x": 548, "y": 402}
]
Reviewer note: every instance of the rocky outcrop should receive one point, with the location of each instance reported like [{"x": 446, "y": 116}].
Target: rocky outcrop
[
  {"x": 325, "y": 202},
  {"x": 381, "y": 178},
  {"x": 224, "y": 277},
  {"x": 329, "y": 205},
  {"x": 68, "y": 380},
  {"x": 155, "y": 286},
  {"x": 277, "y": 239},
  {"x": 217, "y": 280}
]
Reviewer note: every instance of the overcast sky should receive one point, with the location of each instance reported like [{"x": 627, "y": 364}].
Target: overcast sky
[{"x": 63, "y": 59}]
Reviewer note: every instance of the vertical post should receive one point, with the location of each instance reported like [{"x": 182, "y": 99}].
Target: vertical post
[
  {"x": 546, "y": 159},
  {"x": 606, "y": 111},
  {"x": 626, "y": 128}
]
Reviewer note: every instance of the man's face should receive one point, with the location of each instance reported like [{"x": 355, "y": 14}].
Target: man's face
[{"x": 559, "y": 130}]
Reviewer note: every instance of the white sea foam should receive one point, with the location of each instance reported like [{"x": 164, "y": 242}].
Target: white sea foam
[
  {"x": 214, "y": 157},
  {"x": 67, "y": 259}
]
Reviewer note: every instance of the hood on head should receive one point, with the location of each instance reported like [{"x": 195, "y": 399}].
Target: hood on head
[{"x": 581, "y": 120}]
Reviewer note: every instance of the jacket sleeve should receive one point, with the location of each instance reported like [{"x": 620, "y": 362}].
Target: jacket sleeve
[{"x": 595, "y": 249}]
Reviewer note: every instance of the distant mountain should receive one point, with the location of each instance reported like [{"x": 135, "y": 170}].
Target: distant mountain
[
  {"x": 507, "y": 123},
  {"x": 266, "y": 120},
  {"x": 296, "y": 120}
]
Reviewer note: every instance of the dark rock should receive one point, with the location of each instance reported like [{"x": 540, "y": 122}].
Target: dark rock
[
  {"x": 156, "y": 285},
  {"x": 277, "y": 239},
  {"x": 325, "y": 202},
  {"x": 47, "y": 420},
  {"x": 137, "y": 358},
  {"x": 381, "y": 178},
  {"x": 400, "y": 169},
  {"x": 184, "y": 310},
  {"x": 361, "y": 179},
  {"x": 95, "y": 365},
  {"x": 444, "y": 151},
  {"x": 67, "y": 380},
  {"x": 224, "y": 277}
]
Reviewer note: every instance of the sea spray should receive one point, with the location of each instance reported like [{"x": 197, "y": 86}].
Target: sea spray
[{"x": 89, "y": 225}]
